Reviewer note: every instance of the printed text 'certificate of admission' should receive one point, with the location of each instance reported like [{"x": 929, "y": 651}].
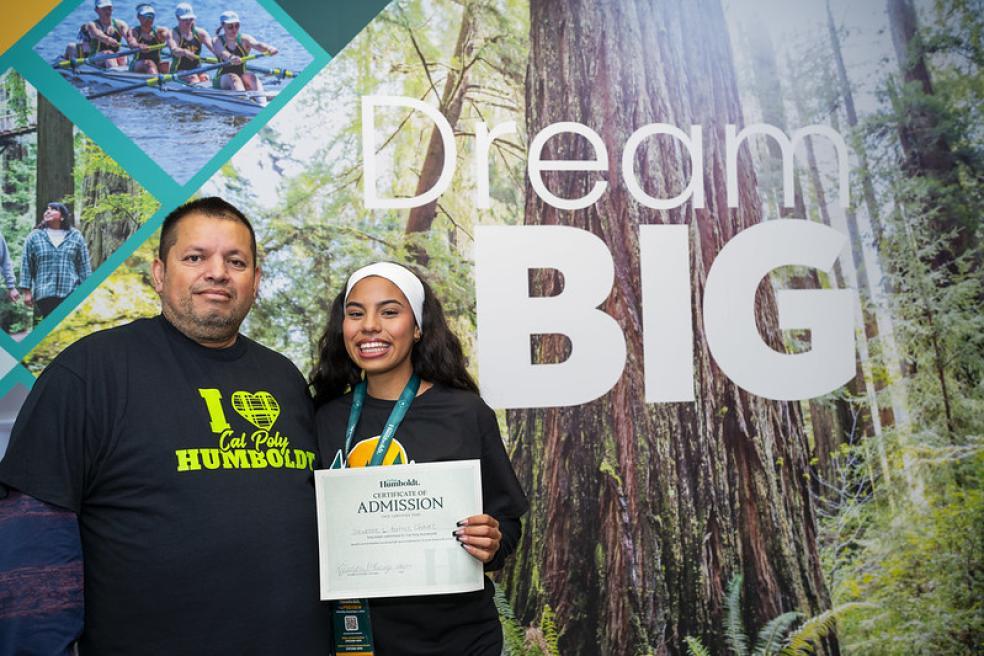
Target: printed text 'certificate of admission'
[{"x": 388, "y": 531}]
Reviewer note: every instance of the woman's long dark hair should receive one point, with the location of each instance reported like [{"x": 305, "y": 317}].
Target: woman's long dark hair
[
  {"x": 437, "y": 357},
  {"x": 67, "y": 221}
]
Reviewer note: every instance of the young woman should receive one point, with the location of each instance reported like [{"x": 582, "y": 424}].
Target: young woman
[
  {"x": 100, "y": 36},
  {"x": 389, "y": 327},
  {"x": 145, "y": 35},
  {"x": 231, "y": 45},
  {"x": 55, "y": 260},
  {"x": 186, "y": 41}
]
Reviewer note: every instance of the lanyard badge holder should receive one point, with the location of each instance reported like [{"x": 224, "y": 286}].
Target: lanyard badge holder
[{"x": 353, "y": 629}]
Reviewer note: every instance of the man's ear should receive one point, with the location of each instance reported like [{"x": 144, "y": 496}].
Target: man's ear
[
  {"x": 157, "y": 273},
  {"x": 256, "y": 283}
]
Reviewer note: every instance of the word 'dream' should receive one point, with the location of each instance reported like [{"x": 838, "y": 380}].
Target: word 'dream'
[{"x": 692, "y": 142}]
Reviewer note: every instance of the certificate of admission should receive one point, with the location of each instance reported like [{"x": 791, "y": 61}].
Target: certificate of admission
[{"x": 388, "y": 531}]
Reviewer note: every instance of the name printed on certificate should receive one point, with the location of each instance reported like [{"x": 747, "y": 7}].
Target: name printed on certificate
[{"x": 388, "y": 531}]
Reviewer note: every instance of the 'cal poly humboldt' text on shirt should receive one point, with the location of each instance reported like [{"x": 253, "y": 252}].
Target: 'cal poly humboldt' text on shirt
[{"x": 191, "y": 472}]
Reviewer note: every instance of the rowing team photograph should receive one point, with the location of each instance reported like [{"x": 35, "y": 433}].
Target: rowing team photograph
[{"x": 179, "y": 79}]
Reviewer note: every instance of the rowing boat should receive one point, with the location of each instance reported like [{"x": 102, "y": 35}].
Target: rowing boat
[{"x": 243, "y": 103}]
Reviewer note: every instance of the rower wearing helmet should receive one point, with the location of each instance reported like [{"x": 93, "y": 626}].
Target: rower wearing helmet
[
  {"x": 102, "y": 35},
  {"x": 144, "y": 35},
  {"x": 185, "y": 41},
  {"x": 231, "y": 46}
]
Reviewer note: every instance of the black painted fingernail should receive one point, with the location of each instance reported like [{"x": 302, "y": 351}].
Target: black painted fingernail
[{"x": 461, "y": 523}]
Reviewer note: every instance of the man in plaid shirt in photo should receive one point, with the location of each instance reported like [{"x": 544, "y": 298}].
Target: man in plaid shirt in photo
[{"x": 55, "y": 261}]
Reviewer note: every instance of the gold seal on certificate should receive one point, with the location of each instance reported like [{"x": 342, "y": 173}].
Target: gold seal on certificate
[{"x": 388, "y": 531}]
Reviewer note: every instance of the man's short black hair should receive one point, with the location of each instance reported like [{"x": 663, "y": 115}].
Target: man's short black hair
[{"x": 211, "y": 206}]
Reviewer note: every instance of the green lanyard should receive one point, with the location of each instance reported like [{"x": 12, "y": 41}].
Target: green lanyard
[
  {"x": 351, "y": 619},
  {"x": 389, "y": 431}
]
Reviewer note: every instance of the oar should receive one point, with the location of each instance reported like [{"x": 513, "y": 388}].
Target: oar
[
  {"x": 159, "y": 79},
  {"x": 66, "y": 63},
  {"x": 279, "y": 72}
]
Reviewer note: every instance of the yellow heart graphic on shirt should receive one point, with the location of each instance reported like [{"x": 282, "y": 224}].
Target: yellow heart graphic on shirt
[{"x": 259, "y": 409}]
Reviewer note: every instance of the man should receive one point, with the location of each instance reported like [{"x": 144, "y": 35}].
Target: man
[
  {"x": 102, "y": 35},
  {"x": 145, "y": 35},
  {"x": 186, "y": 41},
  {"x": 55, "y": 260},
  {"x": 186, "y": 450}
]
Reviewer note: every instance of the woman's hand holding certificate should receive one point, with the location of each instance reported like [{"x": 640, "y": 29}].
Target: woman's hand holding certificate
[{"x": 479, "y": 535}]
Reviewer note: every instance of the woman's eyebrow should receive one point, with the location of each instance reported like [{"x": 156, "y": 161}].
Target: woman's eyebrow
[{"x": 379, "y": 304}]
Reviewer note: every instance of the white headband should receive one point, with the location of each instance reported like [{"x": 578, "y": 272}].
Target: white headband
[{"x": 403, "y": 278}]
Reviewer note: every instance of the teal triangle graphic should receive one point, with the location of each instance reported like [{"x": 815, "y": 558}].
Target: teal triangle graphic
[{"x": 332, "y": 23}]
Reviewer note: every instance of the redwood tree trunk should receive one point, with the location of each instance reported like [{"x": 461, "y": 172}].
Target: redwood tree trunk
[
  {"x": 105, "y": 230},
  {"x": 867, "y": 188},
  {"x": 924, "y": 143},
  {"x": 452, "y": 101},
  {"x": 56, "y": 157},
  {"x": 642, "y": 513}
]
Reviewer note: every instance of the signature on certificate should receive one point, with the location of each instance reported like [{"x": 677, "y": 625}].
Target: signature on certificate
[{"x": 372, "y": 568}]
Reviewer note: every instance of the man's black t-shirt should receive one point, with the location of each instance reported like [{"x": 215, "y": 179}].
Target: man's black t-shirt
[
  {"x": 191, "y": 472},
  {"x": 442, "y": 424}
]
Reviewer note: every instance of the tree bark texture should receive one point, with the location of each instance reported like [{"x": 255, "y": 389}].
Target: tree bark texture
[
  {"x": 106, "y": 230},
  {"x": 56, "y": 157},
  {"x": 642, "y": 513}
]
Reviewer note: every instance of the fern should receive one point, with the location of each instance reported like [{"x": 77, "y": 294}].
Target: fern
[
  {"x": 513, "y": 636},
  {"x": 734, "y": 632},
  {"x": 802, "y": 641},
  {"x": 770, "y": 638},
  {"x": 695, "y": 647},
  {"x": 514, "y": 642},
  {"x": 549, "y": 627},
  {"x": 502, "y": 604}
]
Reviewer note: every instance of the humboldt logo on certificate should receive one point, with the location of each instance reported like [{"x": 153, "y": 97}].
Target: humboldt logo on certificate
[{"x": 388, "y": 531}]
